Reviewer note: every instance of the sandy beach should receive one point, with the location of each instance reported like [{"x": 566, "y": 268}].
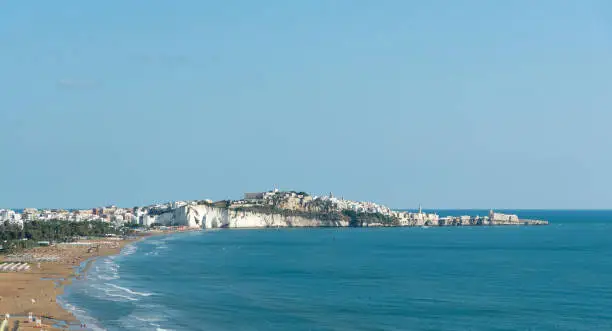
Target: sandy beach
[{"x": 36, "y": 289}]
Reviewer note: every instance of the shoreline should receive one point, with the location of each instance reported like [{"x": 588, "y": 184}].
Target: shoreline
[
  {"x": 523, "y": 223},
  {"x": 39, "y": 289}
]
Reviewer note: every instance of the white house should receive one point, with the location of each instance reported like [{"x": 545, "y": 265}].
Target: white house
[{"x": 11, "y": 216}]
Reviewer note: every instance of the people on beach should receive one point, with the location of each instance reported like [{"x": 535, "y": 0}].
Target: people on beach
[{"x": 41, "y": 294}]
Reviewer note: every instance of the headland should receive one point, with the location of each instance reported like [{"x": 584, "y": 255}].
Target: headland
[
  {"x": 299, "y": 209},
  {"x": 261, "y": 210},
  {"x": 38, "y": 262}
]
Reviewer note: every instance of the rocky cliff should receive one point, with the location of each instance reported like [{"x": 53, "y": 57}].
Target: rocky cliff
[{"x": 210, "y": 217}]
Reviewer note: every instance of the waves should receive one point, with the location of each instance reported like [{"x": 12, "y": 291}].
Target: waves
[
  {"x": 159, "y": 246},
  {"x": 129, "y": 250},
  {"x": 158, "y": 249},
  {"x": 107, "y": 270},
  {"x": 81, "y": 315},
  {"x": 148, "y": 317},
  {"x": 410, "y": 279},
  {"x": 104, "y": 289},
  {"x": 111, "y": 289},
  {"x": 127, "y": 290}
]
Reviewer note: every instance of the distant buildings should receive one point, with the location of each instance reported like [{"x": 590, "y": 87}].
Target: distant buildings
[
  {"x": 499, "y": 217},
  {"x": 300, "y": 203},
  {"x": 7, "y": 215}
]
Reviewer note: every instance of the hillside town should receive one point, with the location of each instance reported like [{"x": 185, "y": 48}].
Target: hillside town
[
  {"x": 110, "y": 214},
  {"x": 269, "y": 201}
]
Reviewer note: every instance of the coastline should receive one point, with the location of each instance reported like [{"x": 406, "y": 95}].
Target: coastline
[{"x": 38, "y": 290}]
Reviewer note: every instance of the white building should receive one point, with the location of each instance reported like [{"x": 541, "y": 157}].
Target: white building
[
  {"x": 499, "y": 217},
  {"x": 11, "y": 216}
]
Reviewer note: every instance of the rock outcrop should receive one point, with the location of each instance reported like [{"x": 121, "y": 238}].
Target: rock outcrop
[{"x": 210, "y": 217}]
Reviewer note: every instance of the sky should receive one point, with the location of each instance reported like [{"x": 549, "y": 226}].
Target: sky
[{"x": 448, "y": 104}]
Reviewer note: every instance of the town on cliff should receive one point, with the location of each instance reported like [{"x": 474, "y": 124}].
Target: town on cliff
[{"x": 262, "y": 209}]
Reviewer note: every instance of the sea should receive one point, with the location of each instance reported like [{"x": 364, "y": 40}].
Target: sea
[{"x": 555, "y": 277}]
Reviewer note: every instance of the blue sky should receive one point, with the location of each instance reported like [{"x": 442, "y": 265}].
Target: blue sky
[{"x": 451, "y": 104}]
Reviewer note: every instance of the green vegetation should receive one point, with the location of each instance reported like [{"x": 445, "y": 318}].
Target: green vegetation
[
  {"x": 269, "y": 210},
  {"x": 13, "y": 237},
  {"x": 357, "y": 219},
  {"x": 132, "y": 226},
  {"x": 221, "y": 204}
]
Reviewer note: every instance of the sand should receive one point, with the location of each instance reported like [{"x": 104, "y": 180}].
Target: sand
[{"x": 36, "y": 290}]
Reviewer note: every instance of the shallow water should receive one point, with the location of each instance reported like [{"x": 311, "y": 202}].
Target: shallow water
[{"x": 554, "y": 277}]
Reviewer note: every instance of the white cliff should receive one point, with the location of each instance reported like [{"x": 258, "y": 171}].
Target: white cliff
[
  {"x": 249, "y": 219},
  {"x": 298, "y": 209},
  {"x": 210, "y": 217}
]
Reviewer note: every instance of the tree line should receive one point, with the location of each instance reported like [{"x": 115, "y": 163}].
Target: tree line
[
  {"x": 359, "y": 219},
  {"x": 13, "y": 236}
]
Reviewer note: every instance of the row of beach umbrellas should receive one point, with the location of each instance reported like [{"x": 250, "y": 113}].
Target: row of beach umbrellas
[
  {"x": 16, "y": 266},
  {"x": 32, "y": 258}
]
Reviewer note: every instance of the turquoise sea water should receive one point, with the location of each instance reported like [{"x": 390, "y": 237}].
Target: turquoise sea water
[{"x": 556, "y": 277}]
